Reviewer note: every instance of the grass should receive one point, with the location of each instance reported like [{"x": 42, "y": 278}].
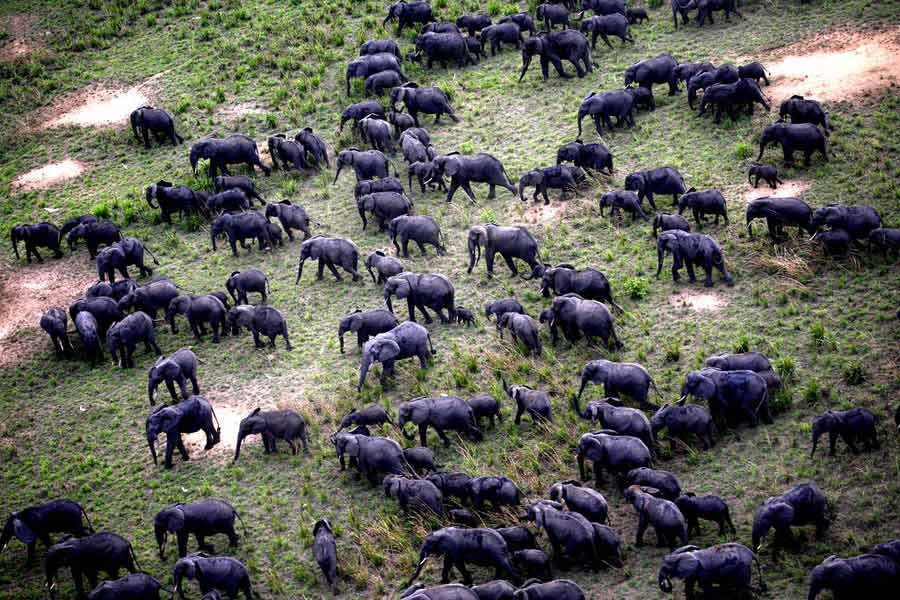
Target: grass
[{"x": 829, "y": 325}]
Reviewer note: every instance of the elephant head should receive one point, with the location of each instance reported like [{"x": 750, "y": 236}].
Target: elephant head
[
  {"x": 448, "y": 164},
  {"x": 378, "y": 349},
  {"x": 16, "y": 527},
  {"x": 58, "y": 556},
  {"x": 371, "y": 261},
  {"x": 231, "y": 286},
  {"x": 163, "y": 369},
  {"x": 832, "y": 573},
  {"x": 163, "y": 419},
  {"x": 747, "y": 88},
  {"x": 399, "y": 94},
  {"x": 19, "y": 232},
  {"x": 597, "y": 372},
  {"x": 822, "y": 424},
  {"x": 344, "y": 158},
  {"x": 394, "y": 11},
  {"x": 437, "y": 543},
  {"x": 680, "y": 564},
  {"x": 533, "y": 46},
  {"x": 774, "y": 513},
  {"x": 186, "y": 567},
  {"x": 392, "y": 485},
  {"x": 698, "y": 385},
  {"x": 478, "y": 237},
  {"x": 345, "y": 443},
  {"x": 788, "y": 105},
  {"x": 668, "y": 242},
  {"x": 532, "y": 178},
  {"x": 771, "y": 134},
  {"x": 202, "y": 149},
  {"x": 76, "y": 233},
  {"x": 548, "y": 278},
  {"x": 252, "y": 423},
  {"x": 660, "y": 418},
  {"x": 833, "y": 215},
  {"x": 399, "y": 285},
  {"x": 416, "y": 412},
  {"x": 177, "y": 306},
  {"x": 352, "y": 322},
  {"x": 152, "y": 190},
  {"x": 630, "y": 75},
  {"x": 363, "y": 204},
  {"x": 169, "y": 519},
  {"x": 275, "y": 141},
  {"x": 218, "y": 226},
  {"x": 635, "y": 182},
  {"x": 310, "y": 249}
]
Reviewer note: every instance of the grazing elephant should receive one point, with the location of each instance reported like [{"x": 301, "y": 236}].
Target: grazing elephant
[
  {"x": 857, "y": 221},
  {"x": 179, "y": 367},
  {"x": 88, "y": 556},
  {"x": 236, "y": 148},
  {"x": 707, "y": 202},
  {"x": 730, "y": 96},
  {"x": 37, "y": 523},
  {"x": 237, "y": 182},
  {"x": 834, "y": 241},
  {"x": 370, "y": 64},
  {"x": 572, "y": 536},
  {"x": 443, "y": 48},
  {"x": 779, "y": 212},
  {"x": 874, "y": 575},
  {"x": 577, "y": 316},
  {"x": 199, "y": 311},
  {"x": 151, "y": 298},
  {"x": 94, "y": 234},
  {"x": 529, "y": 400},
  {"x": 558, "y": 589},
  {"x": 495, "y": 35},
  {"x": 442, "y": 413},
  {"x": 617, "y": 454},
  {"x": 522, "y": 328},
  {"x": 665, "y": 483},
  {"x": 481, "y": 547},
  {"x": 74, "y": 222},
  {"x": 587, "y": 283},
  {"x": 685, "y": 71},
  {"x": 624, "y": 200},
  {"x": 367, "y": 164},
  {"x": 473, "y": 22},
  {"x": 418, "y": 494},
  {"x": 188, "y": 416},
  {"x": 705, "y": 9},
  {"x": 552, "y": 14},
  {"x": 663, "y": 180},
  {"x": 454, "y": 485},
  {"x": 476, "y": 168},
  {"x": 89, "y": 332},
  {"x": 561, "y": 177},
  {"x": 708, "y": 508},
  {"x": 523, "y": 20},
  {"x": 590, "y": 157},
  {"x": 325, "y": 552},
  {"x": 273, "y": 425},
  {"x": 854, "y": 424},
  {"x": 605, "y": 25},
  {"x": 240, "y": 283},
  {"x": 41, "y": 235},
  {"x": 619, "y": 379},
  {"x": 510, "y": 242},
  {"x": 286, "y": 153},
  {"x": 291, "y": 216},
  {"x": 804, "y": 504},
  {"x": 420, "y": 459},
  {"x": 689, "y": 250},
  {"x": 602, "y": 107},
  {"x": 553, "y": 48},
  {"x": 804, "y": 137},
  {"x": 610, "y": 413},
  {"x": 517, "y": 537},
  {"x": 485, "y": 405},
  {"x": 682, "y": 419},
  {"x": 213, "y": 573},
  {"x": 731, "y": 394},
  {"x": 498, "y": 308},
  {"x": 885, "y": 239},
  {"x": 239, "y": 228},
  {"x": 360, "y": 110},
  {"x": 366, "y": 324},
  {"x": 378, "y": 82},
  {"x": 116, "y": 291},
  {"x": 583, "y": 500},
  {"x": 728, "y": 566},
  {"x": 379, "y": 46},
  {"x": 750, "y": 361},
  {"x": 801, "y": 110},
  {"x": 636, "y": 15},
  {"x": 420, "y": 290},
  {"x": 368, "y": 415},
  {"x": 135, "y": 586},
  {"x": 233, "y": 200},
  {"x": 408, "y": 14},
  {"x": 260, "y": 320},
  {"x": 146, "y": 120},
  {"x": 754, "y": 71},
  {"x": 124, "y": 336},
  {"x": 377, "y": 132},
  {"x": 427, "y": 174},
  {"x": 403, "y": 341},
  {"x": 533, "y": 563},
  {"x": 315, "y": 152},
  {"x": 55, "y": 322},
  {"x": 203, "y": 518},
  {"x": 386, "y": 266},
  {"x": 662, "y": 515},
  {"x": 428, "y": 101},
  {"x": 373, "y": 455},
  {"x": 667, "y": 222},
  {"x": 372, "y": 186},
  {"x": 421, "y": 230},
  {"x": 329, "y": 251},
  {"x": 172, "y": 199},
  {"x": 659, "y": 69},
  {"x": 105, "y": 310}
]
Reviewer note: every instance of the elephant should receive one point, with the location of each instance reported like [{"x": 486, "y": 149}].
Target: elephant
[
  {"x": 151, "y": 298},
  {"x": 370, "y": 64},
  {"x": 552, "y": 48},
  {"x": 709, "y": 508},
  {"x": 368, "y": 415},
  {"x": 874, "y": 575},
  {"x": 662, "y": 180},
  {"x": 558, "y": 589},
  {"x": 577, "y": 316},
  {"x": 589, "y": 283},
  {"x": 604, "y": 7},
  {"x": 213, "y": 573},
  {"x": 731, "y": 394},
  {"x": 89, "y": 332},
  {"x": 199, "y": 310},
  {"x": 485, "y": 405},
  {"x": 517, "y": 537},
  {"x": 74, "y": 222},
  {"x": 203, "y": 518},
  {"x": 705, "y": 9},
  {"x": 235, "y": 148},
  {"x": 682, "y": 419},
  {"x": 590, "y": 157},
  {"x": 496, "y": 35},
  {"x": 610, "y": 413},
  {"x": 636, "y": 15},
  {"x": 420, "y": 459},
  {"x": 384, "y": 206},
  {"x": 450, "y": 591},
  {"x": 325, "y": 552},
  {"x": 522, "y": 328},
  {"x": 443, "y": 48},
  {"x": 529, "y": 400},
  {"x": 857, "y": 221},
  {"x": 571, "y": 535},
  {"x": 659, "y": 69},
  {"x": 473, "y": 22},
  {"x": 240, "y": 283},
  {"x": 372, "y": 186},
  {"x": 617, "y": 454},
  {"x": 522, "y": 19},
  {"x": 273, "y": 425},
  {"x": 477, "y": 168},
  {"x": 40, "y": 235},
  {"x": 804, "y": 504},
  {"x": 386, "y": 266},
  {"x": 291, "y": 216},
  {"x": 367, "y": 164},
  {"x": 707, "y": 202},
  {"x": 88, "y": 556},
  {"x": 754, "y": 71},
  {"x": 801, "y": 110},
  {"x": 681, "y": 7},
  {"x": 55, "y": 322},
  {"x": 115, "y": 291},
  {"x": 455, "y": 485},
  {"x": 533, "y": 563},
  {"x": 729, "y": 96},
  {"x": 286, "y": 153},
  {"x": 422, "y": 290},
  {"x": 239, "y": 228},
  {"x": 379, "y": 46},
  {"x": 751, "y": 361},
  {"x": 685, "y": 71},
  {"x": 665, "y": 483},
  {"x": 689, "y": 250},
  {"x": 498, "y": 308},
  {"x": 360, "y": 110},
  {"x": 94, "y": 234},
  {"x": 402, "y": 121},
  {"x": 623, "y": 200},
  {"x": 260, "y": 320},
  {"x": 237, "y": 182},
  {"x": 377, "y": 132},
  {"x": 804, "y": 137},
  {"x": 427, "y": 100},
  {"x": 188, "y": 416},
  {"x": 552, "y": 14},
  {"x": 421, "y": 230},
  {"x": 510, "y": 242},
  {"x": 403, "y": 341},
  {"x": 135, "y": 586},
  {"x": 146, "y": 120},
  {"x": 409, "y": 13},
  {"x": 779, "y": 212},
  {"x": 478, "y": 546},
  {"x": 179, "y": 367},
  {"x": 315, "y": 152},
  {"x": 233, "y": 200},
  {"x": 603, "y": 25},
  {"x": 414, "y": 150},
  {"x": 662, "y": 515},
  {"x": 428, "y": 174},
  {"x": 583, "y": 500},
  {"x": 372, "y": 455},
  {"x": 377, "y": 83},
  {"x": 329, "y": 251},
  {"x": 105, "y": 310},
  {"x": 885, "y": 239},
  {"x": 442, "y": 413},
  {"x": 172, "y": 199},
  {"x": 642, "y": 97},
  {"x": 700, "y": 81},
  {"x": 768, "y": 173},
  {"x": 834, "y": 241},
  {"x": 728, "y": 566},
  {"x": 35, "y": 523},
  {"x": 667, "y": 222},
  {"x": 561, "y": 177},
  {"x": 854, "y": 424},
  {"x": 418, "y": 494},
  {"x": 122, "y": 337},
  {"x": 619, "y": 379},
  {"x": 366, "y": 325},
  {"x": 602, "y": 107}
]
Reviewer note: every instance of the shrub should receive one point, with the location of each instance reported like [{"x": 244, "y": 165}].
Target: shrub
[
  {"x": 781, "y": 401},
  {"x": 637, "y": 288},
  {"x": 742, "y": 150},
  {"x": 742, "y": 344},
  {"x": 854, "y": 373},
  {"x": 467, "y": 148},
  {"x": 101, "y": 211},
  {"x": 785, "y": 367},
  {"x": 673, "y": 352},
  {"x": 817, "y": 332},
  {"x": 811, "y": 392}
]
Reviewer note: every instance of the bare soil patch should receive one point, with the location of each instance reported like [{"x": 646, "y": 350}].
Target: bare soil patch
[
  {"x": 837, "y": 65},
  {"x": 22, "y": 40},
  {"x": 698, "y": 301},
  {"x": 796, "y": 188},
  {"x": 97, "y": 107},
  {"x": 234, "y": 112},
  {"x": 538, "y": 213},
  {"x": 48, "y": 176}
]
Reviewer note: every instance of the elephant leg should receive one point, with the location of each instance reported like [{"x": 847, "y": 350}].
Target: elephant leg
[
  {"x": 443, "y": 436},
  {"x": 448, "y": 568},
  {"x": 146, "y": 138},
  {"x": 321, "y": 271},
  {"x": 606, "y": 40},
  {"x": 256, "y": 340},
  {"x": 424, "y": 312},
  {"x": 492, "y": 191},
  {"x": 334, "y": 271},
  {"x": 511, "y": 264},
  {"x": 454, "y": 185},
  {"x": 467, "y": 188},
  {"x": 642, "y": 527},
  {"x": 649, "y": 196}
]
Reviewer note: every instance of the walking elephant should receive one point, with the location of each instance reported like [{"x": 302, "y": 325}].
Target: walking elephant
[
  {"x": 37, "y": 523},
  {"x": 577, "y": 316},
  {"x": 188, "y": 416},
  {"x": 429, "y": 290},
  {"x": 273, "y": 425},
  {"x": 428, "y": 101},
  {"x": 804, "y": 504},
  {"x": 731, "y": 395},
  {"x": 236, "y": 148},
  {"x": 509, "y": 242},
  {"x": 662, "y": 180},
  {"x": 367, "y": 164},
  {"x": 41, "y": 235},
  {"x": 726, "y": 566},
  {"x": 371, "y": 64},
  {"x": 366, "y": 324},
  {"x": 590, "y": 157},
  {"x": 553, "y": 48},
  {"x": 689, "y": 250},
  {"x": 481, "y": 547},
  {"x": 177, "y": 368},
  {"x": 611, "y": 452},
  {"x": 444, "y": 413},
  {"x": 464, "y": 170},
  {"x": 619, "y": 379},
  {"x": 589, "y": 283},
  {"x": 88, "y": 556},
  {"x": 239, "y": 228},
  {"x": 213, "y": 573},
  {"x": 386, "y": 266},
  {"x": 657, "y": 70},
  {"x": 408, "y": 14},
  {"x": 805, "y": 137},
  {"x": 419, "y": 229},
  {"x": 330, "y": 251},
  {"x": 202, "y": 519},
  {"x": 407, "y": 340},
  {"x": 146, "y": 120},
  {"x": 122, "y": 338},
  {"x": 172, "y": 199}
]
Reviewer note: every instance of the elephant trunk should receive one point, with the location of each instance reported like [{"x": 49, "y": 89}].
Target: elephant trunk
[
  {"x": 363, "y": 370},
  {"x": 584, "y": 382},
  {"x": 387, "y": 299},
  {"x": 362, "y": 215},
  {"x": 659, "y": 256},
  {"x": 14, "y": 239},
  {"x": 152, "y": 382},
  {"x": 369, "y": 269},
  {"x": 151, "y": 191},
  {"x": 815, "y": 442},
  {"x": 474, "y": 247},
  {"x": 578, "y": 411},
  {"x": 340, "y": 165},
  {"x": 237, "y": 446},
  {"x": 341, "y": 340},
  {"x": 300, "y": 270},
  {"x": 423, "y": 558},
  {"x": 522, "y": 190},
  {"x": 582, "y": 113},
  {"x": 526, "y": 61},
  {"x": 194, "y": 160},
  {"x": 162, "y": 537},
  {"x": 665, "y": 584},
  {"x": 401, "y": 425},
  {"x": 151, "y": 442}
]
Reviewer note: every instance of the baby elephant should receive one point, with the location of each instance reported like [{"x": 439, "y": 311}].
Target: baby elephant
[
  {"x": 664, "y": 516},
  {"x": 535, "y": 402},
  {"x": 707, "y": 202},
  {"x": 420, "y": 459},
  {"x": 533, "y": 563},
  {"x": 465, "y": 316},
  {"x": 485, "y": 405},
  {"x": 624, "y": 200},
  {"x": 271, "y": 425},
  {"x": 708, "y": 508},
  {"x": 768, "y": 173},
  {"x": 259, "y": 320},
  {"x": 325, "y": 552},
  {"x": 856, "y": 424},
  {"x": 523, "y": 328},
  {"x": 55, "y": 322},
  {"x": 885, "y": 239}
]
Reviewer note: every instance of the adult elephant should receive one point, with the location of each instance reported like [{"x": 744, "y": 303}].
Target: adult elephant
[
  {"x": 689, "y": 250},
  {"x": 239, "y": 228},
  {"x": 403, "y": 341},
  {"x": 236, "y": 148},
  {"x": 88, "y": 556},
  {"x": 203, "y": 518},
  {"x": 804, "y": 504},
  {"x": 481, "y": 547},
  {"x": 146, "y": 120},
  {"x": 749, "y": 361},
  {"x": 172, "y": 199},
  {"x": 444, "y": 413},
  {"x": 314, "y": 147},
  {"x": 602, "y": 107},
  {"x": 329, "y": 251},
  {"x": 177, "y": 368},
  {"x": 365, "y": 325},
  {"x": 731, "y": 394},
  {"x": 662, "y": 180},
  {"x": 444, "y": 48},
  {"x": 805, "y": 137},
  {"x": 731, "y": 96},
  {"x": 857, "y": 221},
  {"x": 213, "y": 573},
  {"x": 596, "y": 157},
  {"x": 188, "y": 416},
  {"x": 359, "y": 111},
  {"x": 801, "y": 110},
  {"x": 681, "y": 7},
  {"x": 37, "y": 523},
  {"x": 373, "y": 455},
  {"x": 370, "y": 64},
  {"x": 577, "y": 316},
  {"x": 604, "y": 7},
  {"x": 609, "y": 451},
  {"x": 94, "y": 234},
  {"x": 872, "y": 575},
  {"x": 659, "y": 69},
  {"x": 367, "y": 164},
  {"x": 408, "y": 14},
  {"x": 728, "y": 566},
  {"x": 509, "y": 242},
  {"x": 43, "y": 235},
  {"x": 619, "y": 380},
  {"x": 464, "y": 170},
  {"x": 705, "y": 9},
  {"x": 135, "y": 586},
  {"x": 552, "y": 48},
  {"x": 122, "y": 338},
  {"x": 429, "y": 101},
  {"x": 588, "y": 283},
  {"x": 429, "y": 290},
  {"x": 779, "y": 212}
]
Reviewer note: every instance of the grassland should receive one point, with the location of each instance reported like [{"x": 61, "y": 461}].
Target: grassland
[{"x": 830, "y": 325}]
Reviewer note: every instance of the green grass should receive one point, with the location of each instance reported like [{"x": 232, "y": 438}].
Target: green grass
[{"x": 829, "y": 325}]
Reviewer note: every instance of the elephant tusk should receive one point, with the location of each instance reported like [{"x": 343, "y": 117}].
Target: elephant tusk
[{"x": 683, "y": 397}]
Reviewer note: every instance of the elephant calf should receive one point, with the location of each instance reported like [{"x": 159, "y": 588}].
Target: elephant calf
[
  {"x": 240, "y": 283},
  {"x": 535, "y": 402},
  {"x": 708, "y": 508},
  {"x": 366, "y": 325},
  {"x": 707, "y": 202},
  {"x": 179, "y": 367},
  {"x": 273, "y": 425},
  {"x": 386, "y": 266},
  {"x": 856, "y": 424},
  {"x": 624, "y": 200},
  {"x": 122, "y": 338},
  {"x": 418, "y": 494},
  {"x": 485, "y": 405},
  {"x": 522, "y": 328},
  {"x": 663, "y": 515},
  {"x": 259, "y": 320},
  {"x": 728, "y": 566},
  {"x": 55, "y": 322},
  {"x": 664, "y": 482},
  {"x": 213, "y": 573},
  {"x": 533, "y": 563},
  {"x": 368, "y": 415},
  {"x": 325, "y": 552},
  {"x": 681, "y": 420}
]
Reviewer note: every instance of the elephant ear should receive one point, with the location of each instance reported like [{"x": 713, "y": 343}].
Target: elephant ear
[
  {"x": 387, "y": 350},
  {"x": 688, "y": 548},
  {"x": 168, "y": 418},
  {"x": 23, "y": 531},
  {"x": 356, "y": 324},
  {"x": 782, "y": 514},
  {"x": 163, "y": 183},
  {"x": 452, "y": 167},
  {"x": 175, "y": 518}
]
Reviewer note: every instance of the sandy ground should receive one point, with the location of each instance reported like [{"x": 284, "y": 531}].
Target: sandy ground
[
  {"x": 698, "y": 301},
  {"x": 789, "y": 189},
  {"x": 97, "y": 106},
  {"x": 22, "y": 39},
  {"x": 234, "y": 112},
  {"x": 48, "y": 175}
]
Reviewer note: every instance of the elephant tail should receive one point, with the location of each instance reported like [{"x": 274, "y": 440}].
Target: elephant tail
[
  {"x": 655, "y": 389},
  {"x": 215, "y": 418},
  {"x": 86, "y": 518},
  {"x": 243, "y": 526},
  {"x": 153, "y": 256},
  {"x": 431, "y": 345},
  {"x": 134, "y": 557},
  {"x": 505, "y": 174},
  {"x": 763, "y": 588}
]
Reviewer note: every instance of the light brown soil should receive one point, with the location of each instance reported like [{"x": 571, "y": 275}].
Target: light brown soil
[
  {"x": 837, "y": 65},
  {"x": 47, "y": 176},
  {"x": 22, "y": 39},
  {"x": 698, "y": 301},
  {"x": 97, "y": 106},
  {"x": 235, "y": 111},
  {"x": 789, "y": 189}
]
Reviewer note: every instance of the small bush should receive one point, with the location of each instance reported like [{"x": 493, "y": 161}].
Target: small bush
[
  {"x": 101, "y": 211},
  {"x": 781, "y": 401},
  {"x": 467, "y": 148},
  {"x": 811, "y": 392},
  {"x": 494, "y": 8},
  {"x": 742, "y": 344},
  {"x": 271, "y": 121},
  {"x": 673, "y": 352},
  {"x": 785, "y": 368},
  {"x": 742, "y": 150},
  {"x": 637, "y": 288},
  {"x": 817, "y": 332},
  {"x": 854, "y": 373}
]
